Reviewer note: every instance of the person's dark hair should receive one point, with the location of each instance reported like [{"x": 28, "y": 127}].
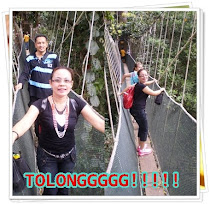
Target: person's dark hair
[
  {"x": 139, "y": 72},
  {"x": 71, "y": 71},
  {"x": 136, "y": 65},
  {"x": 40, "y": 35}
]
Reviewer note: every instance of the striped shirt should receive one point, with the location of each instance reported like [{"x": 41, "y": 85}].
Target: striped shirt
[{"x": 37, "y": 73}]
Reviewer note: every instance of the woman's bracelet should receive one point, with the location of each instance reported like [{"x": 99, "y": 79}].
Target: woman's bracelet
[{"x": 16, "y": 134}]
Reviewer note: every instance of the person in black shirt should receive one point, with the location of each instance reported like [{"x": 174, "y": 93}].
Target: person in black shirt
[
  {"x": 141, "y": 92},
  {"x": 58, "y": 116}
]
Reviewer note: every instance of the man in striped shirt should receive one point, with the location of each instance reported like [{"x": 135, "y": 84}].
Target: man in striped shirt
[{"x": 38, "y": 69}]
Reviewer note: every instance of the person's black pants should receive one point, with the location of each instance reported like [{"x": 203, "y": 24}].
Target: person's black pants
[{"x": 141, "y": 118}]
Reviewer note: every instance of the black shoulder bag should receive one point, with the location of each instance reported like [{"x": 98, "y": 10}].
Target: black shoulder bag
[{"x": 159, "y": 99}]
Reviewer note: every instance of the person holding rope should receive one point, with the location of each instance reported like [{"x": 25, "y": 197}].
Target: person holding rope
[
  {"x": 58, "y": 115},
  {"x": 134, "y": 77},
  {"x": 141, "y": 92}
]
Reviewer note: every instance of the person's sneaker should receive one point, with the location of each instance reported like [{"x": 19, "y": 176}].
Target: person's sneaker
[
  {"x": 138, "y": 148},
  {"x": 144, "y": 151}
]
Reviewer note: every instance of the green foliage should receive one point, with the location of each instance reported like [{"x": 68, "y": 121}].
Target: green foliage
[{"x": 138, "y": 25}]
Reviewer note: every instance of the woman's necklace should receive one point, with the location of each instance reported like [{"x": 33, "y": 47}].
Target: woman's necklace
[
  {"x": 55, "y": 122},
  {"x": 60, "y": 112}
]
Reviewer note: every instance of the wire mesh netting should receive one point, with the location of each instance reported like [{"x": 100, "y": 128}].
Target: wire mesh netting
[
  {"x": 90, "y": 154},
  {"x": 125, "y": 158},
  {"x": 173, "y": 134},
  {"x": 130, "y": 63},
  {"x": 25, "y": 144}
]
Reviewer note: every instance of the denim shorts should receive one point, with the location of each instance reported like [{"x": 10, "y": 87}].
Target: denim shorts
[
  {"x": 141, "y": 118},
  {"x": 49, "y": 164}
]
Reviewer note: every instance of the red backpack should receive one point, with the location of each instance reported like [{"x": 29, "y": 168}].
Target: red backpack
[{"x": 128, "y": 98}]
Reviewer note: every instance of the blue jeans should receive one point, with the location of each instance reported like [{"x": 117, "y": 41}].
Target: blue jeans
[
  {"x": 49, "y": 164},
  {"x": 141, "y": 118}
]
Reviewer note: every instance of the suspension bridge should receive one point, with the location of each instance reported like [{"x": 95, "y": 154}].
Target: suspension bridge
[{"x": 172, "y": 130}]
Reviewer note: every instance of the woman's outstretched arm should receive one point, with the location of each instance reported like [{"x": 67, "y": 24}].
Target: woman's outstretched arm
[
  {"x": 124, "y": 76},
  {"x": 25, "y": 123},
  {"x": 149, "y": 91},
  {"x": 126, "y": 89},
  {"x": 96, "y": 121}
]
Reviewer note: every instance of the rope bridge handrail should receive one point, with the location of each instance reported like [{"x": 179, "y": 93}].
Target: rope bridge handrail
[{"x": 114, "y": 65}]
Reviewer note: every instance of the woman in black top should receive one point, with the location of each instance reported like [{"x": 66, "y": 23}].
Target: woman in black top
[
  {"x": 141, "y": 92},
  {"x": 58, "y": 116}
]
